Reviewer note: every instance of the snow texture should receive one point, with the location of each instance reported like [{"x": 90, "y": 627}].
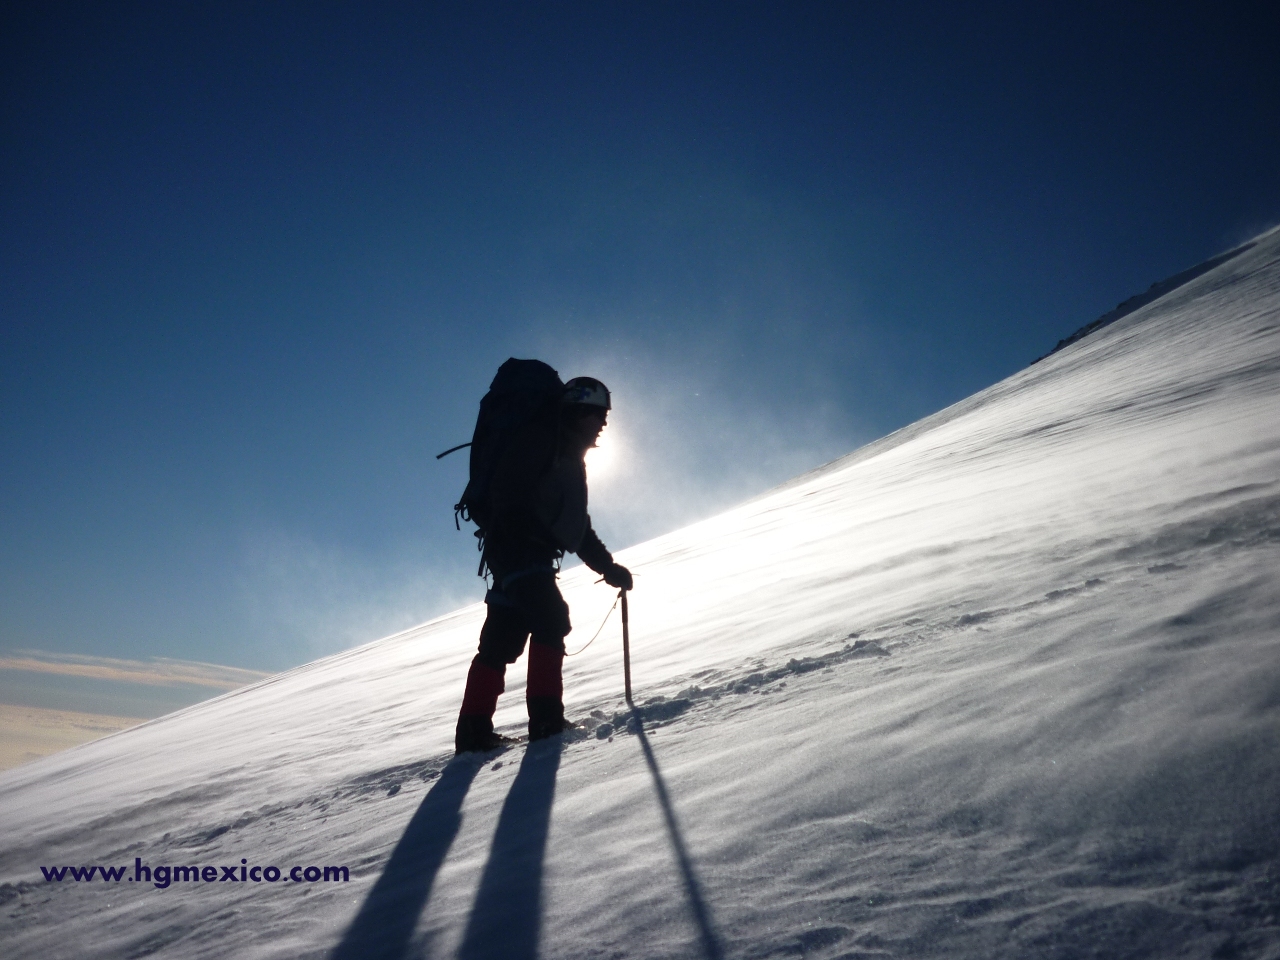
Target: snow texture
[{"x": 1006, "y": 683}]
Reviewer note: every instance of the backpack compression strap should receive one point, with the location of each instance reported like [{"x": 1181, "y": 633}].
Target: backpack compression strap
[{"x": 453, "y": 449}]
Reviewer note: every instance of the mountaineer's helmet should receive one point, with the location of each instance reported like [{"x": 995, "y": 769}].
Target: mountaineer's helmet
[{"x": 588, "y": 392}]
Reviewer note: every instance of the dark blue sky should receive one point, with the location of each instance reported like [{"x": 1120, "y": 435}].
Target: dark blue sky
[{"x": 261, "y": 260}]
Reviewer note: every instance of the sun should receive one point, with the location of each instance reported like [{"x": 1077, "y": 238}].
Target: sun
[{"x": 603, "y": 456}]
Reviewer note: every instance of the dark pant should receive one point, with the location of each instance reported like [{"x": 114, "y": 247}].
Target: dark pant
[
  {"x": 524, "y": 606},
  {"x": 529, "y": 606}
]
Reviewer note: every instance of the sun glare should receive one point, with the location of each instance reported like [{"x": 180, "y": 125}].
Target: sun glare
[{"x": 602, "y": 457}]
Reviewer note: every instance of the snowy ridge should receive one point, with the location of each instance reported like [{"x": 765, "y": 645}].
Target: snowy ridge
[
  {"x": 1157, "y": 290},
  {"x": 1005, "y": 684}
]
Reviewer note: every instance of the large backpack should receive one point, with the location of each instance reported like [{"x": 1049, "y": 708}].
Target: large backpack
[{"x": 522, "y": 393}]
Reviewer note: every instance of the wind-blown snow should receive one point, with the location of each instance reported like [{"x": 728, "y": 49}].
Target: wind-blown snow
[{"x": 1006, "y": 683}]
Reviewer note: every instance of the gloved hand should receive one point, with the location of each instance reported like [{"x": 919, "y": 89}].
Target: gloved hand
[{"x": 616, "y": 575}]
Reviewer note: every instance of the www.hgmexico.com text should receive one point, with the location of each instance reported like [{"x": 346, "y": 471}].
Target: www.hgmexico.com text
[{"x": 163, "y": 876}]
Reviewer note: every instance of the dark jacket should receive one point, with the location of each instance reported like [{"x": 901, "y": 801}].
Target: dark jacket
[{"x": 538, "y": 504}]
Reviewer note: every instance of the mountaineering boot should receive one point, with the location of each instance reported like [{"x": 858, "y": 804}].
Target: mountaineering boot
[
  {"x": 475, "y": 720},
  {"x": 476, "y": 735},
  {"x": 544, "y": 693},
  {"x": 546, "y": 718}
]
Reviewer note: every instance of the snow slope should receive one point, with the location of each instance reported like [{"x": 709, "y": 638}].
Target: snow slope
[{"x": 1006, "y": 683}]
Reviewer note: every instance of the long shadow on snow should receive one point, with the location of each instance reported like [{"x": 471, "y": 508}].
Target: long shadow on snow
[
  {"x": 697, "y": 906},
  {"x": 507, "y": 916},
  {"x": 383, "y": 927}
]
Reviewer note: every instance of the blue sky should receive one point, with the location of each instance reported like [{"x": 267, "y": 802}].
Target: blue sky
[{"x": 260, "y": 262}]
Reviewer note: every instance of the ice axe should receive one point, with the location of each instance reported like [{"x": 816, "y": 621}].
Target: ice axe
[
  {"x": 626, "y": 642},
  {"x": 626, "y": 648}
]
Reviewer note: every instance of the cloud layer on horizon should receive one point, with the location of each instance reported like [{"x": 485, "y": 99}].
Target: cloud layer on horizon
[{"x": 155, "y": 671}]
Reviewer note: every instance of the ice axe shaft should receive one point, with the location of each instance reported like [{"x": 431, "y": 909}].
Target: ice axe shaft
[{"x": 626, "y": 648}]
